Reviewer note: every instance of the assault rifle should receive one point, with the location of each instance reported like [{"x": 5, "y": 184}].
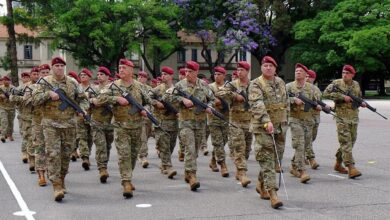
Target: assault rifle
[
  {"x": 107, "y": 108},
  {"x": 202, "y": 106},
  {"x": 240, "y": 92},
  {"x": 356, "y": 101},
  {"x": 169, "y": 108},
  {"x": 17, "y": 92}
]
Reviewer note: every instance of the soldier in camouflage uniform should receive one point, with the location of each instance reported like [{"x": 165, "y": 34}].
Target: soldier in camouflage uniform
[
  {"x": 165, "y": 141},
  {"x": 269, "y": 107},
  {"x": 182, "y": 75},
  {"x": 102, "y": 136},
  {"x": 192, "y": 122},
  {"x": 301, "y": 122},
  {"x": 127, "y": 127},
  {"x": 59, "y": 126},
  {"x": 218, "y": 128},
  {"x": 7, "y": 110},
  {"x": 347, "y": 127},
  {"x": 241, "y": 138}
]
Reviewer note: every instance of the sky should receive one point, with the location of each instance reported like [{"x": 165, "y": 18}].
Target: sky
[{"x": 2, "y": 8}]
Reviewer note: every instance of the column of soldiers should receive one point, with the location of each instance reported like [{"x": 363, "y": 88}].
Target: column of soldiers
[{"x": 264, "y": 108}]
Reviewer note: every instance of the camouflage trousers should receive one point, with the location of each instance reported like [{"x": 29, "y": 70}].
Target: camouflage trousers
[
  {"x": 309, "y": 151},
  {"x": 59, "y": 143},
  {"x": 301, "y": 132},
  {"x": 347, "y": 134},
  {"x": 7, "y": 122},
  {"x": 127, "y": 143},
  {"x": 241, "y": 141},
  {"x": 181, "y": 145},
  {"x": 39, "y": 145},
  {"x": 84, "y": 138},
  {"x": 102, "y": 138},
  {"x": 23, "y": 145},
  {"x": 27, "y": 137},
  {"x": 166, "y": 142},
  {"x": 192, "y": 140},
  {"x": 219, "y": 138},
  {"x": 203, "y": 145},
  {"x": 145, "y": 135}
]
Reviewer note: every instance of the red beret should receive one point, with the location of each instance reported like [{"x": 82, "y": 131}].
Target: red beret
[
  {"x": 87, "y": 71},
  {"x": 220, "y": 69},
  {"x": 349, "y": 68},
  {"x": 244, "y": 64},
  {"x": 6, "y": 78},
  {"x": 143, "y": 73},
  {"x": 192, "y": 65},
  {"x": 312, "y": 74},
  {"x": 235, "y": 73},
  {"x": 126, "y": 62},
  {"x": 299, "y": 65},
  {"x": 44, "y": 67},
  {"x": 74, "y": 75},
  {"x": 182, "y": 71},
  {"x": 167, "y": 70},
  {"x": 104, "y": 70},
  {"x": 24, "y": 74},
  {"x": 56, "y": 60},
  {"x": 35, "y": 69},
  {"x": 268, "y": 59}
]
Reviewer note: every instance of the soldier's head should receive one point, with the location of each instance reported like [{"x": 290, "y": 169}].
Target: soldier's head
[
  {"x": 268, "y": 67},
  {"x": 34, "y": 74},
  {"x": 44, "y": 70},
  {"x": 25, "y": 77},
  {"x": 219, "y": 74},
  {"x": 85, "y": 75},
  {"x": 153, "y": 83},
  {"x": 311, "y": 76},
  {"x": 58, "y": 65},
  {"x": 192, "y": 70},
  {"x": 6, "y": 80},
  {"x": 182, "y": 73},
  {"x": 103, "y": 75},
  {"x": 242, "y": 70},
  {"x": 74, "y": 75},
  {"x": 126, "y": 69},
  {"x": 300, "y": 72},
  {"x": 234, "y": 75},
  {"x": 167, "y": 74},
  {"x": 348, "y": 73},
  {"x": 143, "y": 77}
]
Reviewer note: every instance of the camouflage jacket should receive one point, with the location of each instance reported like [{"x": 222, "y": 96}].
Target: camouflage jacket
[
  {"x": 23, "y": 103},
  {"x": 99, "y": 113},
  {"x": 212, "y": 120},
  {"x": 6, "y": 103},
  {"x": 317, "y": 96},
  {"x": 297, "y": 112}
]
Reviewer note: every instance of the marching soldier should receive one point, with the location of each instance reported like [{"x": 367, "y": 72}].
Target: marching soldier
[
  {"x": 7, "y": 110},
  {"x": 25, "y": 79},
  {"x": 182, "y": 75},
  {"x": 269, "y": 106},
  {"x": 59, "y": 126},
  {"x": 347, "y": 125}
]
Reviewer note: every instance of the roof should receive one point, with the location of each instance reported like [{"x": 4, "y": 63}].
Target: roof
[{"x": 19, "y": 29}]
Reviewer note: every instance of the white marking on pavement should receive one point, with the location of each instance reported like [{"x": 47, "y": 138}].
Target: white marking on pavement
[
  {"x": 143, "y": 205},
  {"x": 334, "y": 175},
  {"x": 372, "y": 162},
  {"x": 22, "y": 204}
]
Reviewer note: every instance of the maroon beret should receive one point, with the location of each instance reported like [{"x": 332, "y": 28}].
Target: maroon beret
[
  {"x": 192, "y": 65},
  {"x": 104, "y": 70},
  {"x": 268, "y": 59},
  {"x": 74, "y": 75},
  {"x": 244, "y": 64},
  {"x": 126, "y": 62},
  {"x": 349, "y": 68},
  {"x": 6, "y": 78},
  {"x": 312, "y": 74},
  {"x": 44, "y": 67},
  {"x": 143, "y": 74},
  {"x": 87, "y": 71},
  {"x": 300, "y": 65},
  {"x": 35, "y": 69},
  {"x": 167, "y": 70},
  {"x": 182, "y": 71},
  {"x": 220, "y": 69},
  {"x": 24, "y": 74},
  {"x": 57, "y": 60}
]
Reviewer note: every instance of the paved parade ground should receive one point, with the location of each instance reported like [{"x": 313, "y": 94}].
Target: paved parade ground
[{"x": 328, "y": 195}]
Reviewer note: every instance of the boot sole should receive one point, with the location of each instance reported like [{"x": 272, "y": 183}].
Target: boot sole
[
  {"x": 32, "y": 169},
  {"x": 103, "y": 179},
  {"x": 145, "y": 165},
  {"x": 59, "y": 198},
  {"x": 353, "y": 177},
  {"x": 24, "y": 160},
  {"x": 277, "y": 205},
  {"x": 171, "y": 175},
  {"x": 195, "y": 186},
  {"x": 85, "y": 166},
  {"x": 305, "y": 180},
  {"x": 127, "y": 195},
  {"x": 245, "y": 184},
  {"x": 314, "y": 167},
  {"x": 262, "y": 197},
  {"x": 225, "y": 175},
  {"x": 73, "y": 158}
]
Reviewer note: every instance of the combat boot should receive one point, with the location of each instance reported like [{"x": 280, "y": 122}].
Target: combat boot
[
  {"x": 74, "y": 156},
  {"x": 295, "y": 172},
  {"x": 224, "y": 170},
  {"x": 103, "y": 175},
  {"x": 304, "y": 177},
  {"x": 194, "y": 184},
  {"x": 181, "y": 156},
  {"x": 245, "y": 181},
  {"x": 261, "y": 190},
  {"x": 2, "y": 139},
  {"x": 132, "y": 186},
  {"x": 144, "y": 162},
  {"x": 85, "y": 164},
  {"x": 170, "y": 172},
  {"x": 313, "y": 163},
  {"x": 31, "y": 161},
  {"x": 340, "y": 168},
  {"x": 10, "y": 138},
  {"x": 275, "y": 202},
  {"x": 58, "y": 193},
  {"x": 278, "y": 169},
  {"x": 63, "y": 184},
  {"x": 238, "y": 174},
  {"x": 163, "y": 169},
  {"x": 24, "y": 157},
  {"x": 213, "y": 165},
  {"x": 127, "y": 191},
  {"x": 205, "y": 151},
  {"x": 187, "y": 176},
  {"x": 353, "y": 172},
  {"x": 41, "y": 178}
]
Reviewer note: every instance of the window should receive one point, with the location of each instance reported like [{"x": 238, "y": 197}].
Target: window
[
  {"x": 194, "y": 55},
  {"x": 28, "y": 52},
  {"x": 242, "y": 55},
  {"x": 49, "y": 51},
  {"x": 181, "y": 56}
]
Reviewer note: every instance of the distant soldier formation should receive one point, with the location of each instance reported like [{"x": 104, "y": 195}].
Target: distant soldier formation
[{"x": 61, "y": 116}]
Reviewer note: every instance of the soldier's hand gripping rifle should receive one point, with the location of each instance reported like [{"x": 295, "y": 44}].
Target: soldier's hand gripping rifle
[
  {"x": 356, "y": 101},
  {"x": 224, "y": 104},
  {"x": 169, "y": 108},
  {"x": 106, "y": 108},
  {"x": 240, "y": 92},
  {"x": 135, "y": 106},
  {"x": 202, "y": 106}
]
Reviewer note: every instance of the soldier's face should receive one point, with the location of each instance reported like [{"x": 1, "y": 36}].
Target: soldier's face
[
  {"x": 44, "y": 73},
  {"x": 219, "y": 77},
  {"x": 300, "y": 74},
  {"x": 102, "y": 77},
  {"x": 7, "y": 82},
  {"x": 58, "y": 70},
  {"x": 242, "y": 73},
  {"x": 310, "y": 80},
  {"x": 25, "y": 79},
  {"x": 268, "y": 70},
  {"x": 347, "y": 76},
  {"x": 125, "y": 71},
  {"x": 34, "y": 76},
  {"x": 191, "y": 75},
  {"x": 142, "y": 79},
  {"x": 84, "y": 77},
  {"x": 165, "y": 77}
]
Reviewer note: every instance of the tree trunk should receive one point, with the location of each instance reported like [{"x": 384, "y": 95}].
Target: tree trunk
[{"x": 11, "y": 44}]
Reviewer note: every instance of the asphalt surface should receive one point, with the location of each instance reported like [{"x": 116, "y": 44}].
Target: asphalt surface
[{"x": 328, "y": 195}]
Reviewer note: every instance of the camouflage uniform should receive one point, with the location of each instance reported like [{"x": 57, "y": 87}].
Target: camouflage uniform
[
  {"x": 146, "y": 133},
  {"x": 127, "y": 127},
  {"x": 269, "y": 103},
  {"x": 84, "y": 138},
  {"x": 316, "y": 116},
  {"x": 17, "y": 100},
  {"x": 7, "y": 113}
]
